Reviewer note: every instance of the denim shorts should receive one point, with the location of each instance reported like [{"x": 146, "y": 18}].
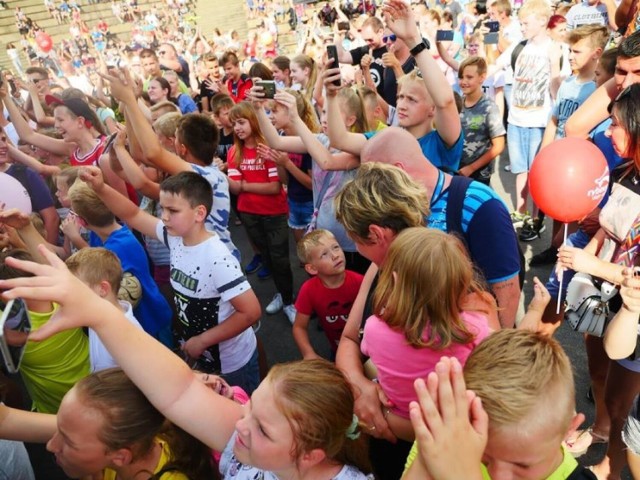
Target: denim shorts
[
  {"x": 300, "y": 214},
  {"x": 577, "y": 239},
  {"x": 247, "y": 377},
  {"x": 523, "y": 143}
]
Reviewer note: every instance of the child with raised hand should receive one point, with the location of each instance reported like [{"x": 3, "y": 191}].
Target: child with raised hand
[
  {"x": 329, "y": 294},
  {"x": 331, "y": 168},
  {"x": 216, "y": 306},
  {"x": 426, "y": 304},
  {"x": 294, "y": 169},
  {"x": 425, "y": 107},
  {"x": 505, "y": 418},
  {"x": 262, "y": 204},
  {"x": 300, "y": 422}
]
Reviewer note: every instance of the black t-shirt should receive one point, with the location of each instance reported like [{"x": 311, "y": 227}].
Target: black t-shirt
[
  {"x": 390, "y": 82},
  {"x": 377, "y": 69},
  {"x": 224, "y": 145}
]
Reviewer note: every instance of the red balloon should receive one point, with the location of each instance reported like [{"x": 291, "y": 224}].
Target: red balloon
[
  {"x": 568, "y": 179},
  {"x": 44, "y": 41}
]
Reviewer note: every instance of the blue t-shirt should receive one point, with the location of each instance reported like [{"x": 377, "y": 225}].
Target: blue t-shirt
[
  {"x": 153, "y": 311},
  {"x": 434, "y": 148},
  {"x": 186, "y": 104},
  {"x": 571, "y": 95},
  {"x": 487, "y": 229}
]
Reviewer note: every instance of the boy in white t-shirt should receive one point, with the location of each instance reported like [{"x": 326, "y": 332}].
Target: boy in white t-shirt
[
  {"x": 215, "y": 303},
  {"x": 100, "y": 269},
  {"x": 537, "y": 69}
]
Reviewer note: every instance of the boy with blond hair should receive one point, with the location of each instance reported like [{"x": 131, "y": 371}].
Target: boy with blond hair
[
  {"x": 100, "y": 269},
  {"x": 329, "y": 294},
  {"x": 508, "y": 421},
  {"x": 536, "y": 71},
  {"x": 152, "y": 309}
]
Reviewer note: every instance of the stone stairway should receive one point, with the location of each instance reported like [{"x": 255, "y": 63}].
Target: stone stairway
[{"x": 34, "y": 9}]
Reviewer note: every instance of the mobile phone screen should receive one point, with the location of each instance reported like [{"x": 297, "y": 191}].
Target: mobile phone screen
[{"x": 15, "y": 326}]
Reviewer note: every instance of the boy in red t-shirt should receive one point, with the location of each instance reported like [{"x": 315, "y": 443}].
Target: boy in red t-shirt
[{"x": 329, "y": 294}]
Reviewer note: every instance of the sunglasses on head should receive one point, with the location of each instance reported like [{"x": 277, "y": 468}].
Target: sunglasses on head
[{"x": 389, "y": 38}]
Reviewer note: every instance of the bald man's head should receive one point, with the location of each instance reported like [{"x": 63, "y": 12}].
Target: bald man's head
[{"x": 393, "y": 146}]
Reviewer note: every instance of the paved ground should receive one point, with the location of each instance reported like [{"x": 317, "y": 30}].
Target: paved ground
[{"x": 275, "y": 331}]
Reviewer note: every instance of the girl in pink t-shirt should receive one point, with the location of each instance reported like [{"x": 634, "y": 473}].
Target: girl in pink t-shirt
[{"x": 426, "y": 305}]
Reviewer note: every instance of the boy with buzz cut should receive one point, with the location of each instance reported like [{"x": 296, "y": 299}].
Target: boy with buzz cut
[
  {"x": 508, "y": 421},
  {"x": 329, "y": 294},
  {"x": 484, "y": 132},
  {"x": 100, "y": 269},
  {"x": 215, "y": 303}
]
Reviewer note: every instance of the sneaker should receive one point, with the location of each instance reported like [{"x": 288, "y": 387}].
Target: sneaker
[
  {"x": 254, "y": 265},
  {"x": 532, "y": 230},
  {"x": 290, "y": 312},
  {"x": 275, "y": 305},
  {"x": 519, "y": 219},
  {"x": 546, "y": 257},
  {"x": 507, "y": 167},
  {"x": 264, "y": 273}
]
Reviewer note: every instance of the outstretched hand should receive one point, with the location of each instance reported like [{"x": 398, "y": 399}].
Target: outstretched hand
[
  {"x": 93, "y": 177},
  {"x": 53, "y": 282},
  {"x": 120, "y": 84},
  {"x": 450, "y": 424},
  {"x": 401, "y": 21},
  {"x": 14, "y": 218}
]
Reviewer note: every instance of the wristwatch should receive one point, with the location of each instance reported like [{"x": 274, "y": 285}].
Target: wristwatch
[{"x": 424, "y": 45}]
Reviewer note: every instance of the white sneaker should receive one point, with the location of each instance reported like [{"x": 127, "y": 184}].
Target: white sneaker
[
  {"x": 290, "y": 312},
  {"x": 275, "y": 305}
]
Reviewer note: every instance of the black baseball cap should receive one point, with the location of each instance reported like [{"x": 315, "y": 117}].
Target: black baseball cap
[{"x": 79, "y": 107}]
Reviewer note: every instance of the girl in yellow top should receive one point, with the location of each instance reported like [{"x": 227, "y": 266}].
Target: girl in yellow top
[{"x": 108, "y": 430}]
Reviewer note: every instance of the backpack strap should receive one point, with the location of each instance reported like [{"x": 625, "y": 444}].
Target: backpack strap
[
  {"x": 516, "y": 52},
  {"x": 455, "y": 203}
]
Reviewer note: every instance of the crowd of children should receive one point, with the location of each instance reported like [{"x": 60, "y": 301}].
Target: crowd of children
[{"x": 374, "y": 158}]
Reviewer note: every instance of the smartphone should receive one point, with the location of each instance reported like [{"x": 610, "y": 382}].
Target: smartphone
[
  {"x": 491, "y": 38},
  {"x": 343, "y": 26},
  {"x": 109, "y": 142},
  {"x": 12, "y": 85},
  {"x": 268, "y": 86},
  {"x": 444, "y": 36},
  {"x": 15, "y": 325},
  {"x": 493, "y": 26},
  {"x": 332, "y": 54}
]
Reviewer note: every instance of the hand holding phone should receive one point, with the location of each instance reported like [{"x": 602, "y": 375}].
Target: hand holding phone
[
  {"x": 332, "y": 54},
  {"x": 268, "y": 88},
  {"x": 444, "y": 36}
]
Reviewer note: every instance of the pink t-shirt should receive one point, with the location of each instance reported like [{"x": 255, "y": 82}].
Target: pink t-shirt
[{"x": 399, "y": 363}]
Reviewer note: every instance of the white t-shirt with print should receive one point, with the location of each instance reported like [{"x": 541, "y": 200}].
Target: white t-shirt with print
[
  {"x": 205, "y": 278},
  {"x": 585, "y": 14},
  {"x": 232, "y": 469}
]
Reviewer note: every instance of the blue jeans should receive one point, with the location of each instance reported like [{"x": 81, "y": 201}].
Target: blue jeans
[{"x": 247, "y": 377}]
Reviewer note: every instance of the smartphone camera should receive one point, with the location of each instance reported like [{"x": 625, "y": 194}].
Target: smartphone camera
[
  {"x": 444, "y": 36},
  {"x": 268, "y": 87},
  {"x": 332, "y": 54}
]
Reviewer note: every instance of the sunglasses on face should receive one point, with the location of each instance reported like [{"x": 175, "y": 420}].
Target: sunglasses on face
[
  {"x": 36, "y": 80},
  {"x": 620, "y": 96},
  {"x": 389, "y": 38}
]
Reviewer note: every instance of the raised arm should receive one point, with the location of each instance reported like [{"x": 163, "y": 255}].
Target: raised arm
[
  {"x": 321, "y": 155},
  {"x": 132, "y": 171},
  {"x": 143, "y": 358},
  {"x": 592, "y": 112},
  {"x": 120, "y": 206},
  {"x": 120, "y": 84},
  {"x": 401, "y": 21}
]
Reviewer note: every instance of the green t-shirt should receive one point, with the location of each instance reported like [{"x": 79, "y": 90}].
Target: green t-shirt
[
  {"x": 51, "y": 367},
  {"x": 563, "y": 472}
]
